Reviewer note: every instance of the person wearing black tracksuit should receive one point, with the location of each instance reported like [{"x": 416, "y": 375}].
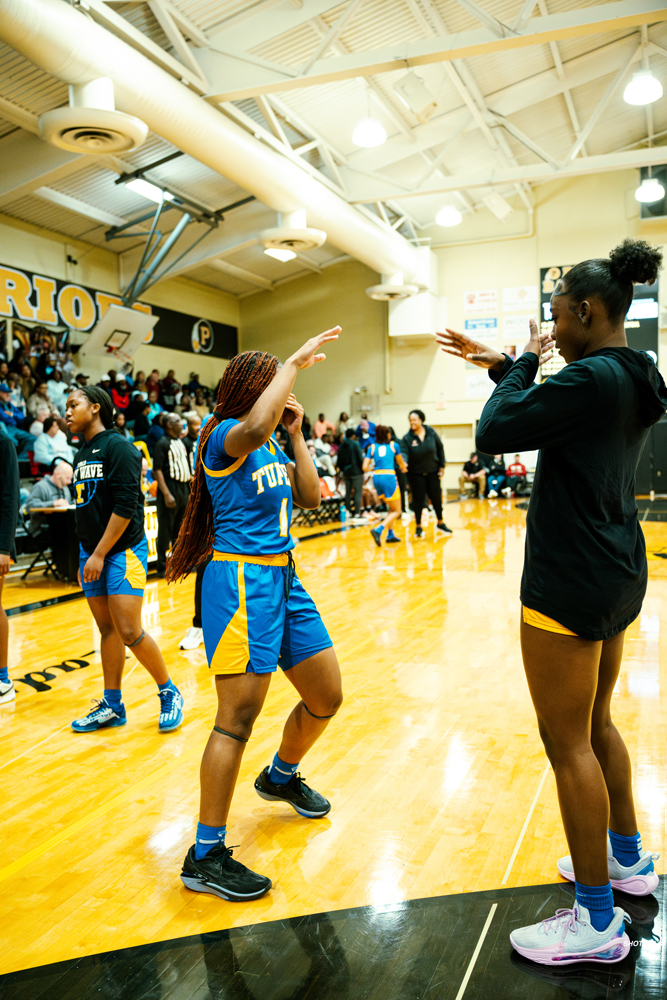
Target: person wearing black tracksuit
[{"x": 425, "y": 457}]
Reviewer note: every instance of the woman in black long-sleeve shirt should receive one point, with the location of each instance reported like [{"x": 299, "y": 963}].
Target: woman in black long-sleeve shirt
[
  {"x": 113, "y": 557},
  {"x": 425, "y": 457},
  {"x": 584, "y": 576}
]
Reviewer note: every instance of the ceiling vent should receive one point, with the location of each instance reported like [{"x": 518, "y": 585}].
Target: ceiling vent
[
  {"x": 293, "y": 234},
  {"x": 91, "y": 124},
  {"x": 392, "y": 289}
]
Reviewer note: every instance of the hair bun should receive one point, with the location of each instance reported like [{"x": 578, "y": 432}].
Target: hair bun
[{"x": 635, "y": 261}]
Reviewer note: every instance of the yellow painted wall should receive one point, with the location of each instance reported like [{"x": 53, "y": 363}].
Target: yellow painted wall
[{"x": 25, "y": 246}]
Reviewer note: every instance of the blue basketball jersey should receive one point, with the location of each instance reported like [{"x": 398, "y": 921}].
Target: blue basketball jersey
[
  {"x": 383, "y": 455},
  {"x": 251, "y": 496}
]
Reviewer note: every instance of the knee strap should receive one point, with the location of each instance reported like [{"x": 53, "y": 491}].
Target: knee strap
[
  {"x": 131, "y": 645},
  {"x": 317, "y": 716},
  {"x": 223, "y": 732}
]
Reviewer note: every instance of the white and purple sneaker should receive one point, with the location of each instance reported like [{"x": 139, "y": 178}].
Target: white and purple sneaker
[
  {"x": 639, "y": 879},
  {"x": 570, "y": 937}
]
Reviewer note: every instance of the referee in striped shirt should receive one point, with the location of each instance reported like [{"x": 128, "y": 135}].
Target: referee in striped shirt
[{"x": 171, "y": 469}]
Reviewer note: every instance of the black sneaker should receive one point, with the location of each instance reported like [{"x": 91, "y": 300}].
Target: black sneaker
[
  {"x": 304, "y": 800},
  {"x": 219, "y": 875},
  {"x": 443, "y": 527},
  {"x": 419, "y": 532}
]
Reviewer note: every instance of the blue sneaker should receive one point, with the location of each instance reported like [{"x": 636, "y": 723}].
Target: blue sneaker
[
  {"x": 377, "y": 535},
  {"x": 171, "y": 709},
  {"x": 102, "y": 716}
]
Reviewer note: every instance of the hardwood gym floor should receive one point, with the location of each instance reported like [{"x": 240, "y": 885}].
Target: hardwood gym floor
[{"x": 442, "y": 798}]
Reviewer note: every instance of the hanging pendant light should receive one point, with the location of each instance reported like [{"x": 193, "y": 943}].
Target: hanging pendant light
[
  {"x": 644, "y": 88},
  {"x": 369, "y": 131},
  {"x": 650, "y": 190},
  {"x": 448, "y": 216}
]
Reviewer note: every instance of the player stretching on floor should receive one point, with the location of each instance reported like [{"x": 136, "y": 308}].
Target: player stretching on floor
[
  {"x": 114, "y": 552},
  {"x": 254, "y": 609},
  {"x": 380, "y": 457},
  {"x": 584, "y": 576}
]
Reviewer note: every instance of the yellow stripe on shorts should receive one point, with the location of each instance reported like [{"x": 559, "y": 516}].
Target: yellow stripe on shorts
[
  {"x": 233, "y": 651},
  {"x": 279, "y": 559},
  {"x": 135, "y": 574},
  {"x": 538, "y": 620}
]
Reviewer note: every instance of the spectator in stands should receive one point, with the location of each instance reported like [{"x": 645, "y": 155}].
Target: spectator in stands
[
  {"x": 28, "y": 383},
  {"x": 473, "y": 472},
  {"x": 4, "y": 371},
  {"x": 51, "y": 491},
  {"x": 11, "y": 419},
  {"x": 171, "y": 470},
  {"x": 194, "y": 384},
  {"x": 495, "y": 477},
  {"x": 139, "y": 379},
  {"x": 105, "y": 383},
  {"x": 52, "y": 444},
  {"x": 350, "y": 463},
  {"x": 120, "y": 395},
  {"x": 80, "y": 380},
  {"x": 184, "y": 404},
  {"x": 17, "y": 399},
  {"x": 344, "y": 424},
  {"x": 142, "y": 424},
  {"x": 321, "y": 426},
  {"x": 169, "y": 390},
  {"x": 517, "y": 477},
  {"x": 324, "y": 454},
  {"x": 37, "y": 426},
  {"x": 40, "y": 398},
  {"x": 201, "y": 406},
  {"x": 155, "y": 433},
  {"x": 193, "y": 421},
  {"x": 321, "y": 471},
  {"x": 155, "y": 408},
  {"x": 365, "y": 431},
  {"x": 120, "y": 424},
  {"x": 364, "y": 435},
  {"x": 57, "y": 390},
  {"x": 153, "y": 381}
]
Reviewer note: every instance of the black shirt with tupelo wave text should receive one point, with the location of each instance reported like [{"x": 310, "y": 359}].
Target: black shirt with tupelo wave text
[{"x": 107, "y": 480}]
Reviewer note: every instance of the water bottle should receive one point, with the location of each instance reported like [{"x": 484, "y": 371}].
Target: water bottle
[{"x": 343, "y": 513}]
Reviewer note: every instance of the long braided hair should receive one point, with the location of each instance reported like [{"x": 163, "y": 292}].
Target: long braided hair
[{"x": 245, "y": 378}]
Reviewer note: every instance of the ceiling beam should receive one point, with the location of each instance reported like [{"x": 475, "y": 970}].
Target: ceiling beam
[
  {"x": 18, "y": 116},
  {"x": 261, "y": 22},
  {"x": 332, "y": 34},
  {"x": 491, "y": 22},
  {"x": 28, "y": 164},
  {"x": 79, "y": 207},
  {"x": 595, "y": 117},
  {"x": 240, "y": 272},
  {"x": 536, "y": 173},
  {"x": 231, "y": 80}
]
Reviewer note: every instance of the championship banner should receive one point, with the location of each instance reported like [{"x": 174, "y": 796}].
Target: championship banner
[{"x": 52, "y": 302}]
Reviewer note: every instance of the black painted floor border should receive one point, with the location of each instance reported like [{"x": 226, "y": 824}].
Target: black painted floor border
[{"x": 414, "y": 950}]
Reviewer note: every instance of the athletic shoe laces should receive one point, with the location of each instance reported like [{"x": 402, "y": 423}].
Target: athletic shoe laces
[
  {"x": 167, "y": 701},
  {"x": 562, "y": 920},
  {"x": 100, "y": 706}
]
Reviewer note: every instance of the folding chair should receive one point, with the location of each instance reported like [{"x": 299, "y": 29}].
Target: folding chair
[{"x": 24, "y": 524}]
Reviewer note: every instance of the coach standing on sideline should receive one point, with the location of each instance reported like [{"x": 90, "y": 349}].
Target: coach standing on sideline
[
  {"x": 171, "y": 469},
  {"x": 425, "y": 457}
]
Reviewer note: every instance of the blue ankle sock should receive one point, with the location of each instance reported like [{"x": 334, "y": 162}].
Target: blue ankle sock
[
  {"x": 208, "y": 837},
  {"x": 378, "y": 531},
  {"x": 113, "y": 697},
  {"x": 4, "y": 674},
  {"x": 599, "y": 901},
  {"x": 167, "y": 685},
  {"x": 626, "y": 850},
  {"x": 280, "y": 772},
  {"x": 390, "y": 533}
]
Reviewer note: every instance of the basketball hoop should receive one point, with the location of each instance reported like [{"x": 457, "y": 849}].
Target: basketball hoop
[{"x": 124, "y": 359}]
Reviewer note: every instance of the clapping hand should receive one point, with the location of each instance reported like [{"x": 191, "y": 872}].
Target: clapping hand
[{"x": 460, "y": 345}]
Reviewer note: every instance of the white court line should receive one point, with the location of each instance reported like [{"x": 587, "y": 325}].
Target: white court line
[
  {"x": 475, "y": 954},
  {"x": 525, "y": 825}
]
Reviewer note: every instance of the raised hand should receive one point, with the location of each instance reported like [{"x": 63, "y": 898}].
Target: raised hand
[
  {"x": 541, "y": 344},
  {"x": 306, "y": 356},
  {"x": 461, "y": 346},
  {"x": 292, "y": 417}
]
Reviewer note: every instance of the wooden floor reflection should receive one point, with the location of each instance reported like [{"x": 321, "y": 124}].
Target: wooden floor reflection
[{"x": 434, "y": 766}]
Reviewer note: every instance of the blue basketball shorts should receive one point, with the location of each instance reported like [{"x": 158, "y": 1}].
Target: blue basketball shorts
[
  {"x": 123, "y": 573},
  {"x": 386, "y": 485},
  {"x": 249, "y": 624}
]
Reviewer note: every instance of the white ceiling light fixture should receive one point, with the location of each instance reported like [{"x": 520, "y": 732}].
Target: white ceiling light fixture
[
  {"x": 147, "y": 190},
  {"x": 369, "y": 132},
  {"x": 448, "y": 216},
  {"x": 650, "y": 190},
  {"x": 414, "y": 95},
  {"x": 283, "y": 255},
  {"x": 644, "y": 88}
]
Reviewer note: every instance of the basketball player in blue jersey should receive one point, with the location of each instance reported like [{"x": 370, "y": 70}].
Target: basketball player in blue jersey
[
  {"x": 380, "y": 458},
  {"x": 255, "y": 612}
]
